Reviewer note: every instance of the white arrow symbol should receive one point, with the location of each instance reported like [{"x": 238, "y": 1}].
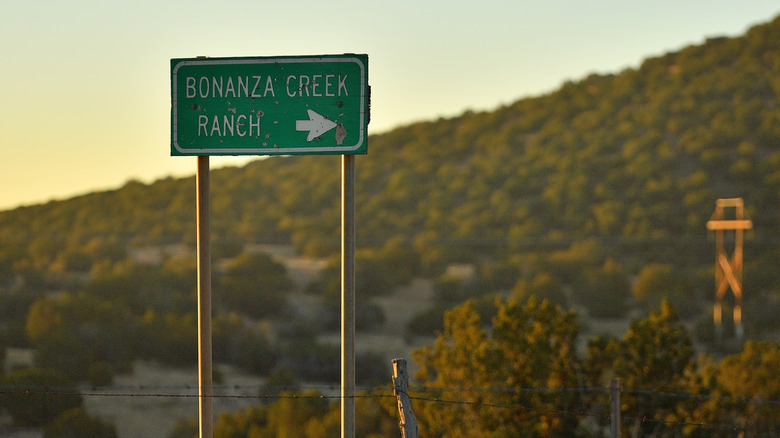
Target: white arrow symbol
[{"x": 316, "y": 125}]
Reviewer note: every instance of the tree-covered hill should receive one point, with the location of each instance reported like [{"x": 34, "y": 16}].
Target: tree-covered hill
[
  {"x": 594, "y": 196},
  {"x": 633, "y": 161}
]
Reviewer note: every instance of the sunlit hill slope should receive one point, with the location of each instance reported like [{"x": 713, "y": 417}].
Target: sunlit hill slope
[{"x": 630, "y": 163}]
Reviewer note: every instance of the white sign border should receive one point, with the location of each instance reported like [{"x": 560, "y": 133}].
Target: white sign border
[{"x": 333, "y": 150}]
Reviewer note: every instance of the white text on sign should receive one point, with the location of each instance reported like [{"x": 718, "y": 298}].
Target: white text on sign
[{"x": 256, "y": 86}]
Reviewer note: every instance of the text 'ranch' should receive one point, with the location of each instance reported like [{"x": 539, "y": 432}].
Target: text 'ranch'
[{"x": 255, "y": 87}]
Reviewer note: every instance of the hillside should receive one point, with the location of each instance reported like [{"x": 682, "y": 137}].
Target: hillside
[
  {"x": 594, "y": 196},
  {"x": 631, "y": 162}
]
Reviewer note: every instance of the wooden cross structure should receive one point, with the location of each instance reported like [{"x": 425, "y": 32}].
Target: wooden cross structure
[{"x": 728, "y": 272}]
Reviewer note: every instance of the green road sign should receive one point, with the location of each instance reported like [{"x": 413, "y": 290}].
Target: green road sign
[{"x": 269, "y": 106}]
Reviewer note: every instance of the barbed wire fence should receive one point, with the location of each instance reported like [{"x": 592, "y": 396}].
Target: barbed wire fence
[{"x": 419, "y": 395}]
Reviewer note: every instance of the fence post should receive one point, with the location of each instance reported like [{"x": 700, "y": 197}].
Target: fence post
[
  {"x": 407, "y": 422},
  {"x": 614, "y": 395}
]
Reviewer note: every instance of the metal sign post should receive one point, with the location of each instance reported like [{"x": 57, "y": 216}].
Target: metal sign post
[
  {"x": 205, "y": 410},
  {"x": 289, "y": 105},
  {"x": 348, "y": 297}
]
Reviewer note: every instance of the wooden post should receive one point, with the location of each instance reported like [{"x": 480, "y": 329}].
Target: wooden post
[
  {"x": 614, "y": 395},
  {"x": 205, "y": 412},
  {"x": 728, "y": 272},
  {"x": 407, "y": 422},
  {"x": 348, "y": 297}
]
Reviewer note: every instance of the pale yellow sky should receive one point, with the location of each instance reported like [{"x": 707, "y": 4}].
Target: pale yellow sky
[{"x": 85, "y": 84}]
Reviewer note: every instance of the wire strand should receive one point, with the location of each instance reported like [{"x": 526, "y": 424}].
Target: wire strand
[{"x": 382, "y": 392}]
